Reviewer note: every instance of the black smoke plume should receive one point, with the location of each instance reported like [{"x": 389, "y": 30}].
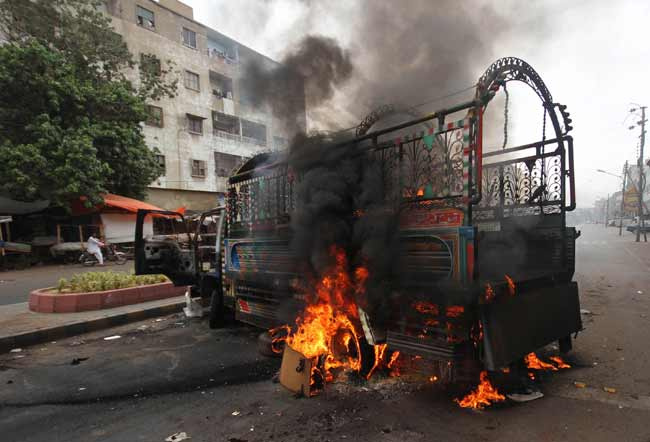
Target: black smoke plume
[
  {"x": 342, "y": 200},
  {"x": 317, "y": 62}
]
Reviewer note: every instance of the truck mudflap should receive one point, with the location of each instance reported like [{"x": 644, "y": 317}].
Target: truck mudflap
[{"x": 518, "y": 325}]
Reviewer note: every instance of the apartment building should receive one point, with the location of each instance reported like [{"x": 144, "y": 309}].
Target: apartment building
[{"x": 211, "y": 125}]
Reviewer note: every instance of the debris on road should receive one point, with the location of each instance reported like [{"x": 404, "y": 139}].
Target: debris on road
[
  {"x": 82, "y": 388},
  {"x": 112, "y": 338},
  {"x": 77, "y": 361},
  {"x": 526, "y": 396},
  {"x": 579, "y": 384},
  {"x": 584, "y": 311},
  {"x": 609, "y": 390},
  {"x": 177, "y": 437},
  {"x": 15, "y": 350},
  {"x": 192, "y": 308},
  {"x": 235, "y": 413}
]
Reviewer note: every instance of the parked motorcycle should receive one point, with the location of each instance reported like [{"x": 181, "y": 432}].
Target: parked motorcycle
[{"x": 110, "y": 253}]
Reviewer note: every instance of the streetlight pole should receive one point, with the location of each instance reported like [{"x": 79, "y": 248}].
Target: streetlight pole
[
  {"x": 607, "y": 211},
  {"x": 641, "y": 180},
  {"x": 620, "y": 224},
  {"x": 641, "y": 186},
  {"x": 624, "y": 181}
]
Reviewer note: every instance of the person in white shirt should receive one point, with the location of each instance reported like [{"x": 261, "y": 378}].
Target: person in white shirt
[{"x": 93, "y": 246}]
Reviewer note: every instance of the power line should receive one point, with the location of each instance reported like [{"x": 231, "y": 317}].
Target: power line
[
  {"x": 446, "y": 96},
  {"x": 442, "y": 97}
]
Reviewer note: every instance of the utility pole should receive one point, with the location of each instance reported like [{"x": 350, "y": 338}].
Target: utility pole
[
  {"x": 620, "y": 224},
  {"x": 641, "y": 185},
  {"x": 607, "y": 211}
]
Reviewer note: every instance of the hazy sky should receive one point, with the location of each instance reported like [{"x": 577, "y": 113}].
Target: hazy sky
[{"x": 593, "y": 56}]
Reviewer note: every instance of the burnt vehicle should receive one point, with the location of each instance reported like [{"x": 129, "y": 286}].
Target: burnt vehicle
[{"x": 486, "y": 255}]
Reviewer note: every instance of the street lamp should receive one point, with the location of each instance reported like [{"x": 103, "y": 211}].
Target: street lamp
[
  {"x": 620, "y": 223},
  {"x": 641, "y": 187},
  {"x": 608, "y": 173}
]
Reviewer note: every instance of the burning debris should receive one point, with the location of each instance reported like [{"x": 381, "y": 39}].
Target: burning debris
[
  {"x": 326, "y": 333},
  {"x": 484, "y": 395},
  {"x": 534, "y": 363}
]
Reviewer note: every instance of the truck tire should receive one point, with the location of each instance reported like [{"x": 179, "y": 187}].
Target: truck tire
[
  {"x": 217, "y": 309},
  {"x": 264, "y": 346}
]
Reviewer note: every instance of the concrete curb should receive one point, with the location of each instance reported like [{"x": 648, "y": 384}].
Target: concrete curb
[
  {"x": 80, "y": 327},
  {"x": 46, "y": 301}
]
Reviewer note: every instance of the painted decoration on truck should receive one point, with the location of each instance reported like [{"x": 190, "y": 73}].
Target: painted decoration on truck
[{"x": 425, "y": 218}]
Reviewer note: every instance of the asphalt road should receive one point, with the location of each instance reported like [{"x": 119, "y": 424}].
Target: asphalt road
[
  {"x": 176, "y": 375},
  {"x": 15, "y": 285}
]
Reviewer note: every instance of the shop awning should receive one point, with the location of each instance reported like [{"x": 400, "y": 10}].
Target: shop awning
[{"x": 112, "y": 201}]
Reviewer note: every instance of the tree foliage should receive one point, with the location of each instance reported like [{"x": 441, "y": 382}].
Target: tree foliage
[{"x": 70, "y": 118}]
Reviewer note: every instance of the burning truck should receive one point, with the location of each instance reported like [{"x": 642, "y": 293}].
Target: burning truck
[{"x": 407, "y": 247}]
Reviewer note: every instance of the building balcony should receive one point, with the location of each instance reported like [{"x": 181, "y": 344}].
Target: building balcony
[{"x": 238, "y": 138}]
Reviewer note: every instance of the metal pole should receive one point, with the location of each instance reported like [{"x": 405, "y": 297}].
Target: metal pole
[
  {"x": 620, "y": 224},
  {"x": 607, "y": 211},
  {"x": 641, "y": 179}
]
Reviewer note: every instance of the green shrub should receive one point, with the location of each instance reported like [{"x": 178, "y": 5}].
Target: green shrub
[{"x": 100, "y": 281}]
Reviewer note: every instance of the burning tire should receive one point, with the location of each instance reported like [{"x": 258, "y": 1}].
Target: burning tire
[{"x": 265, "y": 346}]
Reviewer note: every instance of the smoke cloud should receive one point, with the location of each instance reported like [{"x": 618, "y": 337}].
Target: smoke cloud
[
  {"x": 342, "y": 200},
  {"x": 317, "y": 62}
]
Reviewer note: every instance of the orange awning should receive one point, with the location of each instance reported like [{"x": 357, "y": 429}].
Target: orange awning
[
  {"x": 128, "y": 204},
  {"x": 111, "y": 201}
]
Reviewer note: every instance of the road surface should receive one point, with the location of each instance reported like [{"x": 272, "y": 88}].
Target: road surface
[
  {"x": 176, "y": 375},
  {"x": 15, "y": 285}
]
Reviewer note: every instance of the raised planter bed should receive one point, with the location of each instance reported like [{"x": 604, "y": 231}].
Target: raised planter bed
[{"x": 48, "y": 300}]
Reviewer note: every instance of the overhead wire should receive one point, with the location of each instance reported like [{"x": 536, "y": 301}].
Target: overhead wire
[{"x": 433, "y": 100}]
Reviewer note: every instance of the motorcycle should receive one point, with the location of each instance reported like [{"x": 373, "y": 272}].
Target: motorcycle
[{"x": 110, "y": 253}]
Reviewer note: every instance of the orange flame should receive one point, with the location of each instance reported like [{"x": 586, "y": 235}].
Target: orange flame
[
  {"x": 380, "y": 352},
  {"x": 278, "y": 338},
  {"x": 534, "y": 363},
  {"x": 455, "y": 311},
  {"x": 511, "y": 285},
  {"x": 489, "y": 293},
  {"x": 559, "y": 362},
  {"x": 426, "y": 308},
  {"x": 327, "y": 331},
  {"x": 483, "y": 396}
]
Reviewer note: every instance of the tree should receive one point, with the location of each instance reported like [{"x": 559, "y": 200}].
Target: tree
[{"x": 70, "y": 118}]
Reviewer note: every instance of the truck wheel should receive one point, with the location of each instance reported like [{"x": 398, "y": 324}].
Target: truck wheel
[
  {"x": 217, "y": 309},
  {"x": 264, "y": 346},
  {"x": 565, "y": 344}
]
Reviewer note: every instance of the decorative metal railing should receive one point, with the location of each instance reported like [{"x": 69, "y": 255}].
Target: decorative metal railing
[{"x": 534, "y": 179}]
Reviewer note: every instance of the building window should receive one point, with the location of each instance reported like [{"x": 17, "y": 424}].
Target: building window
[
  {"x": 225, "y": 125},
  {"x": 225, "y": 164},
  {"x": 280, "y": 143},
  {"x": 221, "y": 85},
  {"x": 194, "y": 124},
  {"x": 154, "y": 116},
  {"x": 253, "y": 132},
  {"x": 198, "y": 168},
  {"x": 145, "y": 18},
  {"x": 189, "y": 38},
  {"x": 150, "y": 64},
  {"x": 160, "y": 159},
  {"x": 192, "y": 81}
]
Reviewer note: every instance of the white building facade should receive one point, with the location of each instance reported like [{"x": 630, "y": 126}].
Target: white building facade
[{"x": 210, "y": 126}]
